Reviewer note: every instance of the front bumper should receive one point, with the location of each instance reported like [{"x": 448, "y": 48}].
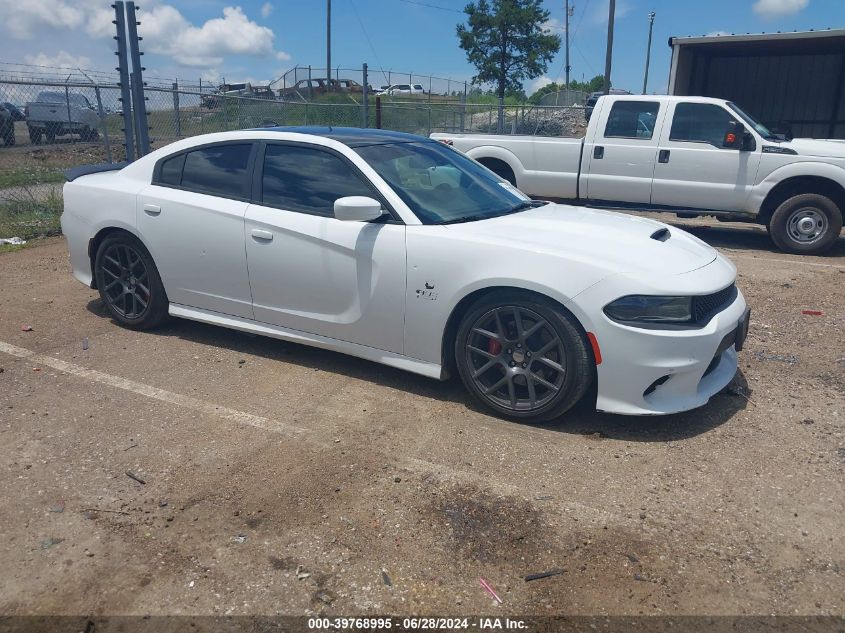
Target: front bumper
[{"x": 657, "y": 371}]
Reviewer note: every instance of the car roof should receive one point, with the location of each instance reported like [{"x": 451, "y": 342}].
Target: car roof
[{"x": 352, "y": 136}]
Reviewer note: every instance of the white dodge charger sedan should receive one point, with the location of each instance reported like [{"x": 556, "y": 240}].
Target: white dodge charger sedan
[{"x": 401, "y": 250}]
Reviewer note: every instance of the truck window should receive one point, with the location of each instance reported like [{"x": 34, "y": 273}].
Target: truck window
[
  {"x": 700, "y": 123},
  {"x": 632, "y": 119}
]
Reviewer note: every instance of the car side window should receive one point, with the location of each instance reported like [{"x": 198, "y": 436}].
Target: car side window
[
  {"x": 632, "y": 119},
  {"x": 700, "y": 123},
  {"x": 218, "y": 170},
  {"x": 308, "y": 180}
]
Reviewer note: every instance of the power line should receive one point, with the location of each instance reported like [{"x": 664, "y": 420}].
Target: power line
[
  {"x": 366, "y": 35},
  {"x": 431, "y": 6}
]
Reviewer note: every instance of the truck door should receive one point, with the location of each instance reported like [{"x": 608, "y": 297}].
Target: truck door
[
  {"x": 694, "y": 170},
  {"x": 620, "y": 157}
]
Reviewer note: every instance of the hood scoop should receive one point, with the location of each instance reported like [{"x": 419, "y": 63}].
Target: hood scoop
[{"x": 661, "y": 235}]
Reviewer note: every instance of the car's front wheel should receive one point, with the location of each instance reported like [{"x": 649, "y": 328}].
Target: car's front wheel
[
  {"x": 523, "y": 357},
  {"x": 806, "y": 224},
  {"x": 129, "y": 283}
]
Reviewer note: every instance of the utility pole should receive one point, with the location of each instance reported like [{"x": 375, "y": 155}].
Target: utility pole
[
  {"x": 611, "y": 15},
  {"x": 329, "y": 42},
  {"x": 566, "y": 17},
  {"x": 648, "y": 50}
]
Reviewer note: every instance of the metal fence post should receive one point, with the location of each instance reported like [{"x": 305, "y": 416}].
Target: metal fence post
[
  {"x": 101, "y": 113},
  {"x": 378, "y": 112},
  {"x": 365, "y": 99},
  {"x": 178, "y": 119},
  {"x": 125, "y": 92},
  {"x": 139, "y": 100},
  {"x": 67, "y": 102},
  {"x": 463, "y": 107},
  {"x": 310, "y": 96}
]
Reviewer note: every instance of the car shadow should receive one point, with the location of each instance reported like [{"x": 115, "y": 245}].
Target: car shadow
[
  {"x": 744, "y": 237},
  {"x": 581, "y": 420}
]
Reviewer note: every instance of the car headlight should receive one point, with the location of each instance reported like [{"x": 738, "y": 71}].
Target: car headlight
[{"x": 651, "y": 309}]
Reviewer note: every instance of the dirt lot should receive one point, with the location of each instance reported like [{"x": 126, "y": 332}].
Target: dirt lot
[{"x": 281, "y": 479}]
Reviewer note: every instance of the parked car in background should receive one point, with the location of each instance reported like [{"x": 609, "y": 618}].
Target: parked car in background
[
  {"x": 15, "y": 111},
  {"x": 56, "y": 113},
  {"x": 398, "y": 249},
  {"x": 7, "y": 126},
  {"x": 687, "y": 155},
  {"x": 402, "y": 89},
  {"x": 593, "y": 98}
]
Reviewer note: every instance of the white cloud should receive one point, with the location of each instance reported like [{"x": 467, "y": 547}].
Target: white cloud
[
  {"x": 778, "y": 8},
  {"x": 553, "y": 24},
  {"x": 62, "y": 60},
  {"x": 166, "y": 32},
  {"x": 535, "y": 84},
  {"x": 266, "y": 10},
  {"x": 164, "y": 29}
]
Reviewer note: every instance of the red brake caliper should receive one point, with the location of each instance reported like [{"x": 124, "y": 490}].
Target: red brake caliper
[{"x": 494, "y": 346}]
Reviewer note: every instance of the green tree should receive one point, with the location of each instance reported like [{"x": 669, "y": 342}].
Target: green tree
[{"x": 505, "y": 41}]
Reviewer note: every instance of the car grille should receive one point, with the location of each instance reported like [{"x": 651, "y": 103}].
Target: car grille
[{"x": 705, "y": 306}]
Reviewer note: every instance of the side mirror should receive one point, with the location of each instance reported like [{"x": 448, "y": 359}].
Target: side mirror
[
  {"x": 357, "y": 209},
  {"x": 733, "y": 136}
]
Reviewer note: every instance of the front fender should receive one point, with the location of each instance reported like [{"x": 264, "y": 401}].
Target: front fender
[{"x": 815, "y": 168}]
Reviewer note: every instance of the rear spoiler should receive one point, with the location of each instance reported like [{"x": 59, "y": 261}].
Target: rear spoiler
[{"x": 86, "y": 170}]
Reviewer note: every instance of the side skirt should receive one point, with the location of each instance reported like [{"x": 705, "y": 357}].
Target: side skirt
[{"x": 392, "y": 359}]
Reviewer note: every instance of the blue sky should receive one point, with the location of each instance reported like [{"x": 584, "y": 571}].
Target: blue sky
[{"x": 258, "y": 39}]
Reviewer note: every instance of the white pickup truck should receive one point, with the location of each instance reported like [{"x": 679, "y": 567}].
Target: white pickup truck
[{"x": 688, "y": 155}]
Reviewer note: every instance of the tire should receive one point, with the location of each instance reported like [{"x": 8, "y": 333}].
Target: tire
[
  {"x": 50, "y": 132},
  {"x": 9, "y": 134},
  {"x": 35, "y": 135},
  {"x": 517, "y": 367},
  {"x": 806, "y": 224},
  {"x": 89, "y": 135},
  {"x": 121, "y": 267}
]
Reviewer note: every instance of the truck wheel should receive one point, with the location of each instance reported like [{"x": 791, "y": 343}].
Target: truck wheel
[
  {"x": 806, "y": 224},
  {"x": 9, "y": 135},
  {"x": 35, "y": 135},
  {"x": 50, "y": 132},
  {"x": 89, "y": 135}
]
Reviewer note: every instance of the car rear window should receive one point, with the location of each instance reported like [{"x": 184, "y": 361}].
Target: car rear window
[{"x": 218, "y": 170}]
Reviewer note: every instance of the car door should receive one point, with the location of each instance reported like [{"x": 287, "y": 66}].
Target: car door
[
  {"x": 694, "y": 169},
  {"x": 312, "y": 272},
  {"x": 192, "y": 220},
  {"x": 620, "y": 158}
]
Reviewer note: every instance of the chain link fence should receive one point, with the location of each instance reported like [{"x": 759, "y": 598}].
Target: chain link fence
[{"x": 48, "y": 126}]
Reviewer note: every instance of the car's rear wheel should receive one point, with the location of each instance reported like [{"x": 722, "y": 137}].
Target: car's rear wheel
[
  {"x": 35, "y": 135},
  {"x": 523, "y": 357},
  {"x": 51, "y": 131},
  {"x": 129, "y": 283},
  {"x": 806, "y": 224}
]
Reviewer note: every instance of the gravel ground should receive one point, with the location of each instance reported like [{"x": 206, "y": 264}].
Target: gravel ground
[{"x": 280, "y": 479}]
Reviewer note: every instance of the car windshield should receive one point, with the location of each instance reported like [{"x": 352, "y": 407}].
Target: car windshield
[
  {"x": 761, "y": 129},
  {"x": 441, "y": 185}
]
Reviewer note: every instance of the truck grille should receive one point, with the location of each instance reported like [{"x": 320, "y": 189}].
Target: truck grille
[{"x": 705, "y": 306}]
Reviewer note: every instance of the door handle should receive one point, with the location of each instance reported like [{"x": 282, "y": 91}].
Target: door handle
[
  {"x": 259, "y": 234},
  {"x": 598, "y": 151},
  {"x": 152, "y": 209},
  {"x": 663, "y": 156}
]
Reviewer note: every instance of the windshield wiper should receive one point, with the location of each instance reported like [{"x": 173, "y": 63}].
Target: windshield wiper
[{"x": 522, "y": 206}]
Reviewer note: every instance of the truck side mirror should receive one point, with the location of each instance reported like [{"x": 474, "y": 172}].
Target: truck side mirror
[{"x": 733, "y": 136}]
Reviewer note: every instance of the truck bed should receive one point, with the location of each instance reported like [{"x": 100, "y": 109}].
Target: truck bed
[{"x": 541, "y": 165}]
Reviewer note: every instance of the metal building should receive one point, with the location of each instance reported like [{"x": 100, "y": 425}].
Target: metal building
[{"x": 791, "y": 82}]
